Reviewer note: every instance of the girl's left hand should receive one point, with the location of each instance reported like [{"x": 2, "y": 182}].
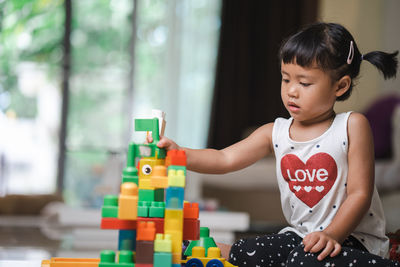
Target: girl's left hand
[{"x": 320, "y": 241}]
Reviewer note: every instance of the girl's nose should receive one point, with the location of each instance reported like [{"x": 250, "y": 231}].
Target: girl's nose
[{"x": 292, "y": 91}]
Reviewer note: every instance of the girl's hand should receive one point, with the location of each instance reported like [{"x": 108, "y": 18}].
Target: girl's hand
[
  {"x": 320, "y": 241},
  {"x": 164, "y": 142}
]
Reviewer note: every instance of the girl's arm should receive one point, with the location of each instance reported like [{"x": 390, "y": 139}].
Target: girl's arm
[
  {"x": 360, "y": 185},
  {"x": 232, "y": 158}
]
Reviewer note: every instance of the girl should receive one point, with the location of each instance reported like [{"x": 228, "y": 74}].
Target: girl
[{"x": 325, "y": 161}]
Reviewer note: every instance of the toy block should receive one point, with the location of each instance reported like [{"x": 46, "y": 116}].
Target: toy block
[
  {"x": 159, "y": 178},
  {"x": 130, "y": 174},
  {"x": 144, "y": 265},
  {"x": 176, "y": 259},
  {"x": 191, "y": 229},
  {"x": 205, "y": 241},
  {"x": 146, "y": 166},
  {"x": 176, "y": 242},
  {"x": 151, "y": 195},
  {"x": 146, "y": 231},
  {"x": 128, "y": 201},
  {"x": 177, "y": 168},
  {"x": 143, "y": 208},
  {"x": 150, "y": 125},
  {"x": 162, "y": 243},
  {"x": 159, "y": 223},
  {"x": 145, "y": 183},
  {"x": 190, "y": 210},
  {"x": 175, "y": 197},
  {"x": 70, "y": 262},
  {"x": 176, "y": 178},
  {"x": 117, "y": 224},
  {"x": 144, "y": 251},
  {"x": 157, "y": 209},
  {"x": 110, "y": 207},
  {"x": 162, "y": 259},
  {"x": 127, "y": 240},
  {"x": 173, "y": 219},
  {"x": 125, "y": 259},
  {"x": 176, "y": 157}
]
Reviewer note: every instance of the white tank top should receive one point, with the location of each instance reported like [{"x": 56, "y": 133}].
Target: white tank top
[{"x": 312, "y": 179}]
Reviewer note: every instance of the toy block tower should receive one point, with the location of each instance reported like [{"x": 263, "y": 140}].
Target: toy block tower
[{"x": 150, "y": 214}]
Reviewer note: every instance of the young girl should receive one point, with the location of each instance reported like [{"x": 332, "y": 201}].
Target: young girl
[{"x": 324, "y": 160}]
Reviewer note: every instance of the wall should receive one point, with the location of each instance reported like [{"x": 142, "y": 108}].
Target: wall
[{"x": 374, "y": 25}]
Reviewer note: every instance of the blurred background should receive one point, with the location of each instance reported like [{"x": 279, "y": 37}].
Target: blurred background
[{"x": 74, "y": 75}]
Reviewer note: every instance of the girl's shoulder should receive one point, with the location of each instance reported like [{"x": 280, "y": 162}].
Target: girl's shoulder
[{"x": 357, "y": 121}]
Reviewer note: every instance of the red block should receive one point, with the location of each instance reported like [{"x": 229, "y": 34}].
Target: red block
[
  {"x": 143, "y": 265},
  {"x": 115, "y": 223},
  {"x": 175, "y": 157},
  {"x": 191, "y": 229}
]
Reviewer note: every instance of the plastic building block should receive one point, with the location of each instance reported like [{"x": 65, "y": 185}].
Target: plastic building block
[
  {"x": 125, "y": 259},
  {"x": 162, "y": 259},
  {"x": 205, "y": 241},
  {"x": 70, "y": 262},
  {"x": 162, "y": 243},
  {"x": 191, "y": 229},
  {"x": 176, "y": 178},
  {"x": 110, "y": 207},
  {"x": 157, "y": 209},
  {"x": 128, "y": 201},
  {"x": 213, "y": 259},
  {"x": 144, "y": 252},
  {"x": 190, "y": 210},
  {"x": 173, "y": 219},
  {"x": 127, "y": 240},
  {"x": 177, "y": 168},
  {"x": 117, "y": 224},
  {"x": 174, "y": 198},
  {"x": 148, "y": 125},
  {"x": 159, "y": 178},
  {"x": 151, "y": 195},
  {"x": 146, "y": 166},
  {"x": 143, "y": 208},
  {"x": 146, "y": 231},
  {"x": 176, "y": 157},
  {"x": 159, "y": 223}
]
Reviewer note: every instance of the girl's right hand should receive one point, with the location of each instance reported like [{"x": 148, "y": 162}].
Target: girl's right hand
[{"x": 164, "y": 142}]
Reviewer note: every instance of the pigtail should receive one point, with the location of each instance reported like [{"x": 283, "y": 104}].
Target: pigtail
[{"x": 384, "y": 62}]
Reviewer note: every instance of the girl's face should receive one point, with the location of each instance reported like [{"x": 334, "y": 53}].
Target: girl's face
[{"x": 307, "y": 93}]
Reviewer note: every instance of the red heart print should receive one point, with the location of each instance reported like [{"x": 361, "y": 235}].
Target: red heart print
[{"x": 310, "y": 182}]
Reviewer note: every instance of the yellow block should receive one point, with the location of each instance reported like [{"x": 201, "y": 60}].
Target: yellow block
[
  {"x": 173, "y": 220},
  {"x": 70, "y": 262},
  {"x": 147, "y": 165}
]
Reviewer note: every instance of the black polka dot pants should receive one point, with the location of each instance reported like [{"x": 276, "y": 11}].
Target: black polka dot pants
[{"x": 286, "y": 250}]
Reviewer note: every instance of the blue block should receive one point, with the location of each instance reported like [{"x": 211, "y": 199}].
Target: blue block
[
  {"x": 174, "y": 198},
  {"x": 127, "y": 240}
]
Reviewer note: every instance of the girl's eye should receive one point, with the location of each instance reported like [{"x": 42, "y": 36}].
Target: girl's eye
[
  {"x": 305, "y": 84},
  {"x": 285, "y": 80}
]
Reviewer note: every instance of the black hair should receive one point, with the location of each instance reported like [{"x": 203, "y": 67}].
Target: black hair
[{"x": 328, "y": 46}]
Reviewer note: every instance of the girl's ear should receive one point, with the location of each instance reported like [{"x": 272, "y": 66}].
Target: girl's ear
[{"x": 343, "y": 85}]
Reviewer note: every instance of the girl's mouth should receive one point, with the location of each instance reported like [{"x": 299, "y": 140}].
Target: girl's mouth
[{"x": 293, "y": 107}]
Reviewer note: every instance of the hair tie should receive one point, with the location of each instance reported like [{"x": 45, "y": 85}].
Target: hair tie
[
  {"x": 351, "y": 53},
  {"x": 362, "y": 57}
]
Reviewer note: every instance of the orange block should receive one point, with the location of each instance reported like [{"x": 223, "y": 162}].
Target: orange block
[
  {"x": 70, "y": 262},
  {"x": 159, "y": 178},
  {"x": 175, "y": 157},
  {"x": 159, "y": 223},
  {"x": 128, "y": 201},
  {"x": 190, "y": 210},
  {"x": 146, "y": 231}
]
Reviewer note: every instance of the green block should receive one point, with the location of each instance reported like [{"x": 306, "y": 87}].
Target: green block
[
  {"x": 177, "y": 168},
  {"x": 157, "y": 209},
  {"x": 130, "y": 179},
  {"x": 146, "y": 195},
  {"x": 110, "y": 207},
  {"x": 159, "y": 194},
  {"x": 162, "y": 259},
  {"x": 143, "y": 208},
  {"x": 148, "y": 125},
  {"x": 205, "y": 241},
  {"x": 107, "y": 259}
]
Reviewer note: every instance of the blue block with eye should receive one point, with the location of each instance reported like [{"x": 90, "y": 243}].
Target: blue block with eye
[{"x": 174, "y": 198}]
